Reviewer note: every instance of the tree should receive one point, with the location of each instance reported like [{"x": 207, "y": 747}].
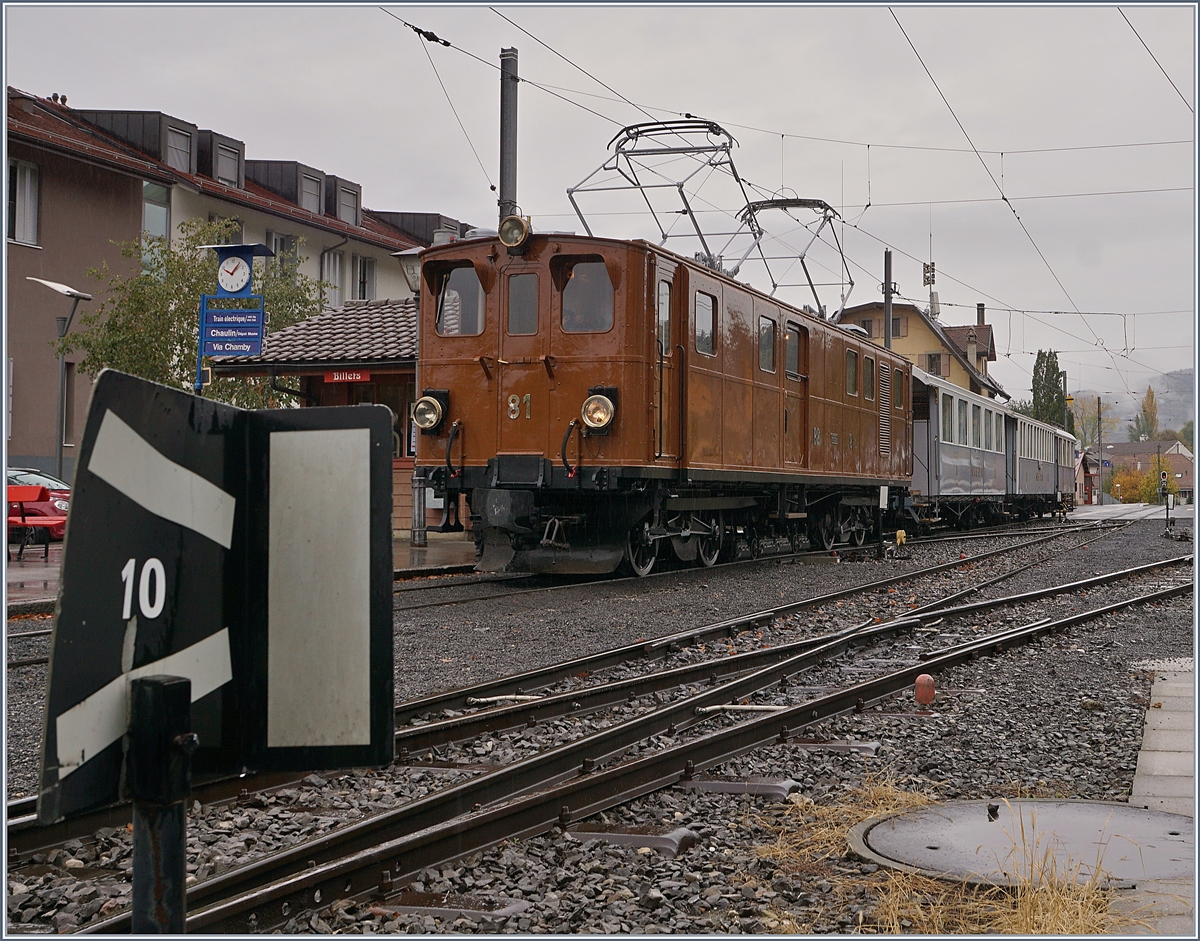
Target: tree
[
  {"x": 1186, "y": 432},
  {"x": 1024, "y": 406},
  {"x": 1145, "y": 424},
  {"x": 1049, "y": 401},
  {"x": 1083, "y": 413},
  {"x": 147, "y": 324}
]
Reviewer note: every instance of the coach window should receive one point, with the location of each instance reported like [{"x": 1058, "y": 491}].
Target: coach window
[
  {"x": 706, "y": 310},
  {"x": 522, "y": 305},
  {"x": 664, "y": 318},
  {"x": 987, "y": 429},
  {"x": 766, "y": 344},
  {"x": 869, "y": 377},
  {"x": 587, "y": 298},
  {"x": 999, "y": 431},
  {"x": 851, "y": 372},
  {"x": 962, "y": 421},
  {"x": 460, "y": 304},
  {"x": 948, "y": 419},
  {"x": 976, "y": 412}
]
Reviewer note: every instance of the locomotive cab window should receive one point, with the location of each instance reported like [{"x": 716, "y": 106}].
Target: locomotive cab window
[
  {"x": 460, "y": 304},
  {"x": 664, "y": 318},
  {"x": 791, "y": 350},
  {"x": 869, "y": 377},
  {"x": 766, "y": 344},
  {"x": 523, "y": 305},
  {"x": 587, "y": 295},
  {"x": 851, "y": 372},
  {"x": 706, "y": 321}
]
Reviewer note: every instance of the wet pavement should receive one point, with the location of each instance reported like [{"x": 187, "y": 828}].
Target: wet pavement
[{"x": 33, "y": 581}]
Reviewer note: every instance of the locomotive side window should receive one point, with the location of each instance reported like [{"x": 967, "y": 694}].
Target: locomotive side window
[
  {"x": 664, "y": 318},
  {"x": 898, "y": 389},
  {"x": 706, "y": 316},
  {"x": 962, "y": 421},
  {"x": 851, "y": 372},
  {"x": 766, "y": 344},
  {"x": 869, "y": 377},
  {"x": 791, "y": 349},
  {"x": 522, "y": 305},
  {"x": 975, "y": 417},
  {"x": 587, "y": 298},
  {"x": 947, "y": 418},
  {"x": 460, "y": 304}
]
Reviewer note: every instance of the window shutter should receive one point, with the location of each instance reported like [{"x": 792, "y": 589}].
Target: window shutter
[
  {"x": 903, "y": 326},
  {"x": 945, "y": 364}
]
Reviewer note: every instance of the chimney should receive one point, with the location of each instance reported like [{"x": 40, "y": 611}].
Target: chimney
[
  {"x": 971, "y": 348},
  {"x": 979, "y": 315}
]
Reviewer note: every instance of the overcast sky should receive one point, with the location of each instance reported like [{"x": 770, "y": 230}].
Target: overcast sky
[{"x": 1064, "y": 93}]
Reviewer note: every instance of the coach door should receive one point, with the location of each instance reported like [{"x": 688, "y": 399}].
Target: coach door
[
  {"x": 665, "y": 355},
  {"x": 524, "y": 381},
  {"x": 795, "y": 395}
]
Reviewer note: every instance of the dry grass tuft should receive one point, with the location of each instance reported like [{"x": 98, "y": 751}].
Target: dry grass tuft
[{"x": 1044, "y": 899}]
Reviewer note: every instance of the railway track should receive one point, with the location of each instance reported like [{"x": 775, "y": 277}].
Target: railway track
[
  {"x": 24, "y": 836},
  {"x": 571, "y": 781}
]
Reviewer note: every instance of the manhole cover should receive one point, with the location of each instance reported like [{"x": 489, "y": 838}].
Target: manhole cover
[{"x": 998, "y": 841}]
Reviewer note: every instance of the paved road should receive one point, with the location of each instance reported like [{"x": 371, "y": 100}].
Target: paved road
[{"x": 1185, "y": 515}]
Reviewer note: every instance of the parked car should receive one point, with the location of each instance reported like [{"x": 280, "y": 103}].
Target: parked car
[{"x": 57, "y": 505}]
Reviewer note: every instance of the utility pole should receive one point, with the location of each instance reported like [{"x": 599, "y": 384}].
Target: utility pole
[
  {"x": 1100, "y": 445},
  {"x": 508, "y": 132},
  {"x": 1062, "y": 375},
  {"x": 887, "y": 298}
]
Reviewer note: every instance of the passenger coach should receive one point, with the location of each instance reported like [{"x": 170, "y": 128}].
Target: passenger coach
[{"x": 600, "y": 401}]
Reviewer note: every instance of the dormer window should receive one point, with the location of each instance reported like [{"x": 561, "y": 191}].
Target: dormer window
[
  {"x": 179, "y": 150},
  {"x": 348, "y": 206},
  {"x": 227, "y": 165},
  {"x": 310, "y": 194}
]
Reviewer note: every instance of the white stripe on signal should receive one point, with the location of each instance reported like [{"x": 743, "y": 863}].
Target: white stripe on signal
[
  {"x": 123, "y": 458},
  {"x": 90, "y": 726}
]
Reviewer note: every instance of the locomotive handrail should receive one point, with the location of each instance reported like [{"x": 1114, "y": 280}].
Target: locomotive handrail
[
  {"x": 571, "y": 472},
  {"x": 661, "y": 407},
  {"x": 449, "y": 445}
]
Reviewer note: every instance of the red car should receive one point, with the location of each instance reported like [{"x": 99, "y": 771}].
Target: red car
[{"x": 60, "y": 496}]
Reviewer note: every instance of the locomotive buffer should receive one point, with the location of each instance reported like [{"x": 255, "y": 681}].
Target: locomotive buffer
[{"x": 225, "y": 606}]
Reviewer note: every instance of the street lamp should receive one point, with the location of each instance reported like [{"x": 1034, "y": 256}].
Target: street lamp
[{"x": 64, "y": 324}]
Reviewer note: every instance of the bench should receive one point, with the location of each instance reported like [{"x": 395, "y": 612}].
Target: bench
[{"x": 20, "y": 494}]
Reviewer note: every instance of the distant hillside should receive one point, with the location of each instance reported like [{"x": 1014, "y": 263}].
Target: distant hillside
[{"x": 1173, "y": 392}]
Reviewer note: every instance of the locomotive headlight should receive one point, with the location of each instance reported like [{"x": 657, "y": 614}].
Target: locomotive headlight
[
  {"x": 513, "y": 231},
  {"x": 598, "y": 411},
  {"x": 427, "y": 413}
]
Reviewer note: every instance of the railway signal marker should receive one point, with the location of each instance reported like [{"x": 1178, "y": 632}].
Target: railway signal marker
[{"x": 248, "y": 552}]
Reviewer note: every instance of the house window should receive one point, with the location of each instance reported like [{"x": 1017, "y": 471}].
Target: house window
[
  {"x": 987, "y": 429},
  {"x": 706, "y": 310},
  {"x": 899, "y": 326},
  {"x": 348, "y": 206},
  {"x": 664, "y": 318},
  {"x": 227, "y": 165},
  {"x": 869, "y": 377},
  {"x": 975, "y": 422},
  {"x": 522, "y": 305},
  {"x": 933, "y": 364},
  {"x": 460, "y": 304},
  {"x": 282, "y": 245},
  {"x": 364, "y": 279},
  {"x": 766, "y": 344},
  {"x": 310, "y": 194},
  {"x": 22, "y": 202},
  {"x": 962, "y": 421},
  {"x": 868, "y": 324},
  {"x": 335, "y": 277},
  {"x": 179, "y": 150},
  {"x": 236, "y": 237},
  {"x": 851, "y": 372},
  {"x": 948, "y": 419},
  {"x": 156, "y": 210}
]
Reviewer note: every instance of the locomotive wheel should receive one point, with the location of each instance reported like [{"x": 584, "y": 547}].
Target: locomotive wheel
[
  {"x": 858, "y": 528},
  {"x": 827, "y": 530},
  {"x": 640, "y": 550},
  {"x": 708, "y": 549}
]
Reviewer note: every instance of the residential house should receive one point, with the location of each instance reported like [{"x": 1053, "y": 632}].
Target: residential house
[
  {"x": 960, "y": 354},
  {"x": 1174, "y": 457},
  {"x": 81, "y": 181}
]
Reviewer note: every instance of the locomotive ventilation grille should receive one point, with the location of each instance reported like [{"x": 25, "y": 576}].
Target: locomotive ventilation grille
[{"x": 885, "y": 411}]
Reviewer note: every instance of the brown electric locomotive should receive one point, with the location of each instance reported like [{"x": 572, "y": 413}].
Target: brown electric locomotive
[{"x": 602, "y": 401}]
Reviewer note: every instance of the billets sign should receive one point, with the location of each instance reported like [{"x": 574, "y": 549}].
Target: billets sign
[{"x": 249, "y": 551}]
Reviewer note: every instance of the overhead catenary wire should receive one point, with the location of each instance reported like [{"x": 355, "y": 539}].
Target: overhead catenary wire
[{"x": 1156, "y": 62}]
